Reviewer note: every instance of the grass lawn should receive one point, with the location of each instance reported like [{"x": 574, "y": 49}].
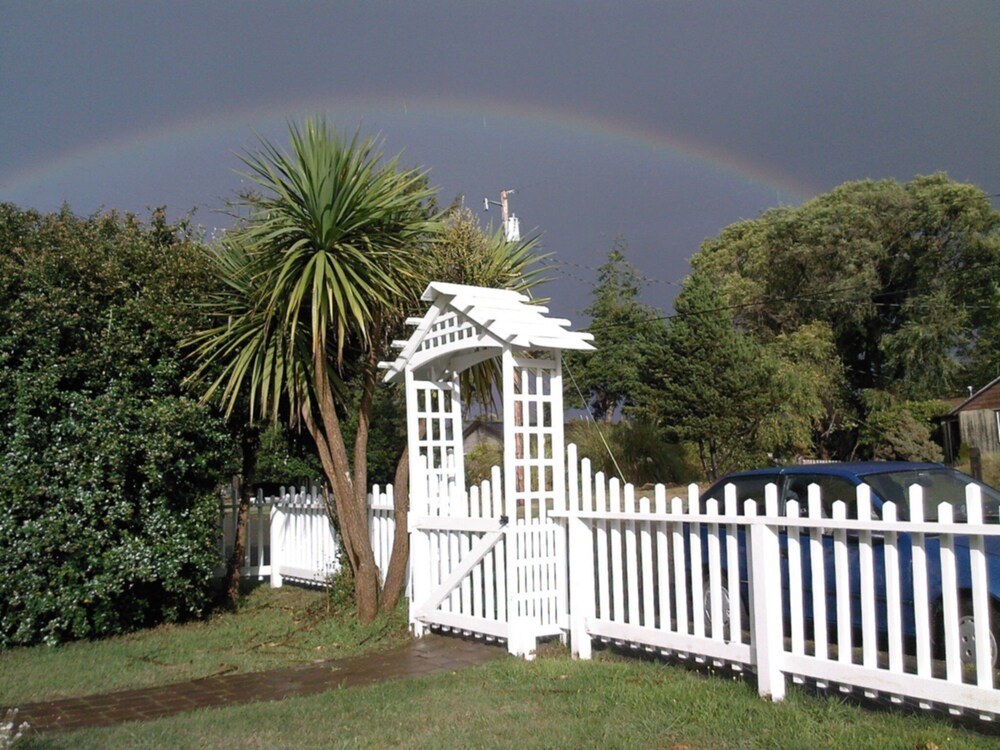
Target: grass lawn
[
  {"x": 272, "y": 628},
  {"x": 553, "y": 702}
]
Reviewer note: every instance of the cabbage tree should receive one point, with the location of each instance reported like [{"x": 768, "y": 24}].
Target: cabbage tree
[{"x": 309, "y": 282}]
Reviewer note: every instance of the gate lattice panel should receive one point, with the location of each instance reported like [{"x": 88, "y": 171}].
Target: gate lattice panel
[
  {"x": 489, "y": 559},
  {"x": 535, "y": 486}
]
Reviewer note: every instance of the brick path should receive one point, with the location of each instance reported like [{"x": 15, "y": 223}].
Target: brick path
[{"x": 424, "y": 656}]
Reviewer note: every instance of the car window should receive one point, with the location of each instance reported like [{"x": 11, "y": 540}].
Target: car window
[
  {"x": 831, "y": 489},
  {"x": 747, "y": 488},
  {"x": 939, "y": 485}
]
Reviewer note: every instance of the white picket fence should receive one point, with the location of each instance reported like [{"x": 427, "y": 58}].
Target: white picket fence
[
  {"x": 651, "y": 573},
  {"x": 290, "y": 535}
]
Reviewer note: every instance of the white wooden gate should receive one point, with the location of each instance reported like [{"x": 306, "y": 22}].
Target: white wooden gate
[
  {"x": 489, "y": 559},
  {"x": 535, "y": 486}
]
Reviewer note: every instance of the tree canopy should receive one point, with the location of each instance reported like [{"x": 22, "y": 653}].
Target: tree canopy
[
  {"x": 906, "y": 276},
  {"x": 857, "y": 307},
  {"x": 628, "y": 336}
]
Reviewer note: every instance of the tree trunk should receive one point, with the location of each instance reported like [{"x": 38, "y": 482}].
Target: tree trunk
[
  {"x": 395, "y": 577},
  {"x": 349, "y": 493},
  {"x": 367, "y": 584},
  {"x": 244, "y": 488},
  {"x": 234, "y": 565}
]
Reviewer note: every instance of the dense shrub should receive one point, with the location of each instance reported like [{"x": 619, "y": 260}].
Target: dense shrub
[
  {"x": 285, "y": 457},
  {"x": 107, "y": 466}
]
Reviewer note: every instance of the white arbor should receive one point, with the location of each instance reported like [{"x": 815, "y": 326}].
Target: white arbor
[{"x": 486, "y": 559}]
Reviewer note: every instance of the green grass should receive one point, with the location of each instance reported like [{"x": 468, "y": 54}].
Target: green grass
[
  {"x": 272, "y": 628},
  {"x": 554, "y": 702}
]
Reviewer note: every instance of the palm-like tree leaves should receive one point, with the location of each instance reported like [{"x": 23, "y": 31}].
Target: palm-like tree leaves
[{"x": 330, "y": 240}]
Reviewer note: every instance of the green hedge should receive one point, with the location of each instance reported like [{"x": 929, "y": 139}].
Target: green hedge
[{"x": 107, "y": 466}]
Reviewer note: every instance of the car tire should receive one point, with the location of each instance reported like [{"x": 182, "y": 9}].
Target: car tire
[
  {"x": 726, "y": 609},
  {"x": 967, "y": 633}
]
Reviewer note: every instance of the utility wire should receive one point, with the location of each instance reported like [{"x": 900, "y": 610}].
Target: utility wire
[{"x": 586, "y": 404}]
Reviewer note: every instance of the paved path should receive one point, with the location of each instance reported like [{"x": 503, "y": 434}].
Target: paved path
[{"x": 428, "y": 655}]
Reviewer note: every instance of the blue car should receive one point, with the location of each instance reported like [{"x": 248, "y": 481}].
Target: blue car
[{"x": 889, "y": 482}]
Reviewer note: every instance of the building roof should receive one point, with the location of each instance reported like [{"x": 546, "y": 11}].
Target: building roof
[{"x": 987, "y": 397}]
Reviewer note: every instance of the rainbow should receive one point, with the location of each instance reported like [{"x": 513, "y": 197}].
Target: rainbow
[{"x": 159, "y": 145}]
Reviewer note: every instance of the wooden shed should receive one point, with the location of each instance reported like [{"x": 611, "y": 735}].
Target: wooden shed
[{"x": 975, "y": 422}]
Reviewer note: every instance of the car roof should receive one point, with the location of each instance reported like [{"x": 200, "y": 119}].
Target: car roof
[{"x": 847, "y": 469}]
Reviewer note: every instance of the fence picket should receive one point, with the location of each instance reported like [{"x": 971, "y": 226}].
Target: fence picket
[
  {"x": 631, "y": 557},
  {"x": 921, "y": 606},
  {"x": 647, "y": 571},
  {"x": 893, "y": 593},
  {"x": 842, "y": 585},
  {"x": 663, "y": 563},
  {"x": 603, "y": 540},
  {"x": 733, "y": 584},
  {"x": 866, "y": 564},
  {"x": 980, "y": 596},
  {"x": 617, "y": 574},
  {"x": 714, "y": 572},
  {"x": 680, "y": 577},
  {"x": 695, "y": 561},
  {"x": 795, "y": 609},
  {"x": 949, "y": 596}
]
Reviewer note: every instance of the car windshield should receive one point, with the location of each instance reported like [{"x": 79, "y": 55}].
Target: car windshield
[{"x": 939, "y": 485}]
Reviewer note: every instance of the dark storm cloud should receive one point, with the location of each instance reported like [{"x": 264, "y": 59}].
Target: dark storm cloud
[{"x": 820, "y": 92}]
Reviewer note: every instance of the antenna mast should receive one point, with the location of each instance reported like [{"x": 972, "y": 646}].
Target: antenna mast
[{"x": 511, "y": 226}]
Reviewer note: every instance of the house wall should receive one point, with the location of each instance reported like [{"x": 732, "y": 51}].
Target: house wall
[{"x": 979, "y": 429}]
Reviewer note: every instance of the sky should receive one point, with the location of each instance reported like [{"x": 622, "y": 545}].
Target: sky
[{"x": 657, "y": 123}]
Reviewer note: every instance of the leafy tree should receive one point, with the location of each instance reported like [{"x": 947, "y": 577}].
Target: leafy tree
[
  {"x": 808, "y": 389},
  {"x": 711, "y": 384},
  {"x": 897, "y": 430},
  {"x": 313, "y": 288},
  {"x": 633, "y": 450},
  {"x": 108, "y": 520},
  {"x": 327, "y": 254},
  {"x": 464, "y": 253},
  {"x": 284, "y": 457},
  {"x": 904, "y": 276},
  {"x": 628, "y": 336},
  {"x": 479, "y": 462}
]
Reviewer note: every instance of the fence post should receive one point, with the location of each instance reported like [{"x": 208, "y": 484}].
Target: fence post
[
  {"x": 766, "y": 625},
  {"x": 976, "y": 463},
  {"x": 277, "y": 540},
  {"x": 581, "y": 565}
]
